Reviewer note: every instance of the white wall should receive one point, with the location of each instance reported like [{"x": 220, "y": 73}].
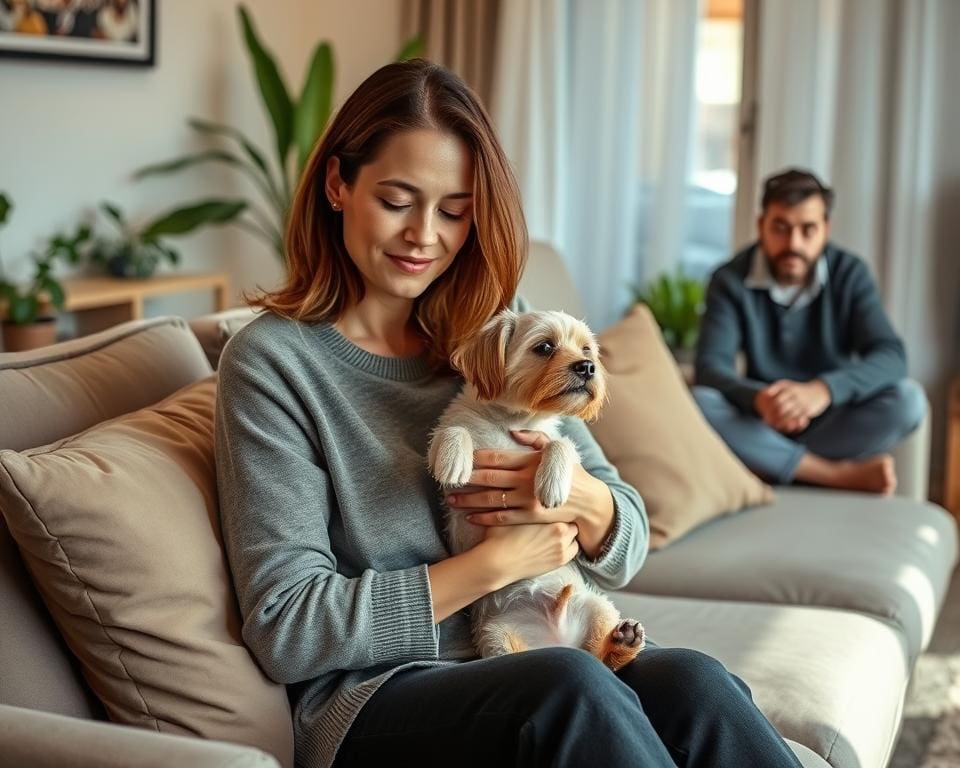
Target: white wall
[{"x": 71, "y": 134}]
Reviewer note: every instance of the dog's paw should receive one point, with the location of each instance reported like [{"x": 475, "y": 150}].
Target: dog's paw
[
  {"x": 629, "y": 633},
  {"x": 451, "y": 457},
  {"x": 554, "y": 477},
  {"x": 455, "y": 471},
  {"x": 552, "y": 492}
]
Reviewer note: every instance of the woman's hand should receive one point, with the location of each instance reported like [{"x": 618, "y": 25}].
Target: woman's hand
[
  {"x": 506, "y": 495},
  {"x": 517, "y": 552}
]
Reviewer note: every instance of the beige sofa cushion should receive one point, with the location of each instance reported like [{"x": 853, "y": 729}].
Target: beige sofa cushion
[
  {"x": 654, "y": 434},
  {"x": 214, "y": 330},
  {"x": 52, "y": 392},
  {"x": 833, "y": 681},
  {"x": 118, "y": 527},
  {"x": 887, "y": 557}
]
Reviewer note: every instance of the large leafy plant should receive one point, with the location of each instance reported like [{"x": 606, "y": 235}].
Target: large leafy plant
[
  {"x": 297, "y": 124},
  {"x": 677, "y": 304},
  {"x": 30, "y": 303}
]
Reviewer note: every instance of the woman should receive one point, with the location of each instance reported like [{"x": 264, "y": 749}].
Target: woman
[{"x": 405, "y": 236}]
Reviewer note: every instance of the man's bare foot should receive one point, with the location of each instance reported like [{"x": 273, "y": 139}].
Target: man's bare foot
[{"x": 874, "y": 475}]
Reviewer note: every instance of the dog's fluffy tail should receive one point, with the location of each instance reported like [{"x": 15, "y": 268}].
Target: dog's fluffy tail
[{"x": 560, "y": 604}]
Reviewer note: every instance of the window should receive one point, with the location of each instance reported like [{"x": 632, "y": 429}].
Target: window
[{"x": 712, "y": 181}]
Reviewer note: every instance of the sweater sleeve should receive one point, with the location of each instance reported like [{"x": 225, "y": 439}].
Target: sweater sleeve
[
  {"x": 301, "y": 618},
  {"x": 881, "y": 359},
  {"x": 718, "y": 344},
  {"x": 625, "y": 549}
]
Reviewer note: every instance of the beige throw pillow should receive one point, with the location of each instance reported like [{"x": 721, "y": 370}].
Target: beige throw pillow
[
  {"x": 654, "y": 434},
  {"x": 118, "y": 527}
]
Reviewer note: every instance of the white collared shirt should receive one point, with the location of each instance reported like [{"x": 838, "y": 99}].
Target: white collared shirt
[{"x": 791, "y": 296}]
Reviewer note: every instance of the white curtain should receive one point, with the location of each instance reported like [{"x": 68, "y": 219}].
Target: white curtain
[
  {"x": 865, "y": 93},
  {"x": 594, "y": 106}
]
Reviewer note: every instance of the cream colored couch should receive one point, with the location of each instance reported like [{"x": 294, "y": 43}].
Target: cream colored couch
[{"x": 821, "y": 601}]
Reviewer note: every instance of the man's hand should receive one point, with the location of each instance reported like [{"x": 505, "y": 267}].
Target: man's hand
[{"x": 789, "y": 406}]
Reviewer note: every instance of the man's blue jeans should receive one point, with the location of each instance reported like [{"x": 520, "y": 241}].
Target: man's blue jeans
[{"x": 852, "y": 431}]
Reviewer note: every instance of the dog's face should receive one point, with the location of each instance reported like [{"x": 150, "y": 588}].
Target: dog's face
[{"x": 544, "y": 362}]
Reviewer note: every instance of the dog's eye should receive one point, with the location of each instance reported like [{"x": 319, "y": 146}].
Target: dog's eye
[
  {"x": 544, "y": 348},
  {"x": 586, "y": 350}
]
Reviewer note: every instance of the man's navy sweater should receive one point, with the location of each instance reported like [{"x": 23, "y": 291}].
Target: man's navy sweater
[{"x": 843, "y": 337}]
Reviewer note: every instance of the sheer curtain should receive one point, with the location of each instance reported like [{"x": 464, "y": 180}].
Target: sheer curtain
[
  {"x": 864, "y": 92},
  {"x": 594, "y": 105}
]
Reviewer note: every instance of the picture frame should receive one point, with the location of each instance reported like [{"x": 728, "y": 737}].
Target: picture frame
[{"x": 93, "y": 31}]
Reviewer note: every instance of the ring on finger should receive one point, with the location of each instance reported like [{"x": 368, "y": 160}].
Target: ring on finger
[{"x": 503, "y": 499}]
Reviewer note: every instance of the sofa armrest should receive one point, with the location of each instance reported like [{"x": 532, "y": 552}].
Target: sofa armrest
[
  {"x": 44, "y": 740},
  {"x": 912, "y": 459}
]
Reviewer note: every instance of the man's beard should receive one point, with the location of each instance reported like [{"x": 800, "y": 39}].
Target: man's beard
[{"x": 788, "y": 278}]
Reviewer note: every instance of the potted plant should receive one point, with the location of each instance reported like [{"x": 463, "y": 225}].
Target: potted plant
[
  {"x": 29, "y": 316},
  {"x": 297, "y": 124},
  {"x": 137, "y": 251},
  {"x": 677, "y": 304}
]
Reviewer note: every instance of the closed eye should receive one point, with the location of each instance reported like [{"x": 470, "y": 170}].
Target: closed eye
[{"x": 446, "y": 214}]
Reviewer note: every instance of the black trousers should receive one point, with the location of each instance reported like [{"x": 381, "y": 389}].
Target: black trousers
[{"x": 562, "y": 707}]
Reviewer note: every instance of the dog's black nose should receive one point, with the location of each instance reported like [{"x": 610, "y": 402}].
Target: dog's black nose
[{"x": 584, "y": 369}]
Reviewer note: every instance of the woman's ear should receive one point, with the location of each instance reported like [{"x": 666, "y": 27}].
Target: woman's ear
[
  {"x": 332, "y": 183},
  {"x": 483, "y": 359}
]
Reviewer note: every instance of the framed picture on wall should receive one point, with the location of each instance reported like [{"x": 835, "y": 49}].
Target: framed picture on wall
[{"x": 113, "y": 31}]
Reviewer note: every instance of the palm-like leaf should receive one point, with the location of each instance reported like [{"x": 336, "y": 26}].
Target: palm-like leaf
[
  {"x": 313, "y": 108},
  {"x": 411, "y": 49},
  {"x": 263, "y": 181},
  {"x": 183, "y": 220},
  {"x": 272, "y": 89}
]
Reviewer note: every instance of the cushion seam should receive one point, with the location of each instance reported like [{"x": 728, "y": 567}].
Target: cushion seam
[
  {"x": 148, "y": 325},
  {"x": 87, "y": 596}
]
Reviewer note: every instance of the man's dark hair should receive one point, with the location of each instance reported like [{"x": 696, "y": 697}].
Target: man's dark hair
[{"x": 793, "y": 186}]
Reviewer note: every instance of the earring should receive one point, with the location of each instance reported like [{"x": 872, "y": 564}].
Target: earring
[{"x": 334, "y": 205}]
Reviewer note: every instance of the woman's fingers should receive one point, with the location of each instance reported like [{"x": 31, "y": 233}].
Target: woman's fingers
[
  {"x": 500, "y": 517},
  {"x": 496, "y": 499},
  {"x": 500, "y": 459},
  {"x": 494, "y": 478}
]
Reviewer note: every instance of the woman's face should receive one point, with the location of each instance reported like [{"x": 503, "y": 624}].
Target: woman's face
[{"x": 409, "y": 212}]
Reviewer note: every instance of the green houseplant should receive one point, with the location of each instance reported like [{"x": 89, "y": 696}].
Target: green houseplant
[
  {"x": 297, "y": 124},
  {"x": 29, "y": 311},
  {"x": 138, "y": 251},
  {"x": 677, "y": 304}
]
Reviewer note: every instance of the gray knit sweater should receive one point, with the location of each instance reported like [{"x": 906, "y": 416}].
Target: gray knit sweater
[{"x": 330, "y": 518}]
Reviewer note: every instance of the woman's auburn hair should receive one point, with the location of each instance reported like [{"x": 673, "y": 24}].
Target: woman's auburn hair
[{"x": 322, "y": 281}]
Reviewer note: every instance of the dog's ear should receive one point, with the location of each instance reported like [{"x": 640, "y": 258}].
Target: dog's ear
[{"x": 483, "y": 359}]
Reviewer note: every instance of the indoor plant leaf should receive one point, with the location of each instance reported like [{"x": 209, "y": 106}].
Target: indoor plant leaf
[
  {"x": 183, "y": 220},
  {"x": 272, "y": 90},
  {"x": 169, "y": 166},
  {"x": 114, "y": 212},
  {"x": 23, "y": 309},
  {"x": 313, "y": 108},
  {"x": 411, "y": 50}
]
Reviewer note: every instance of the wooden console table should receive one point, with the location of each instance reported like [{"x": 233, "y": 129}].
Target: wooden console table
[
  {"x": 951, "y": 469},
  {"x": 100, "y": 302}
]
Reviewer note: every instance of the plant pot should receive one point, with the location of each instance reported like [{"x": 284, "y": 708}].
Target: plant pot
[
  {"x": 124, "y": 266},
  {"x": 17, "y": 338}
]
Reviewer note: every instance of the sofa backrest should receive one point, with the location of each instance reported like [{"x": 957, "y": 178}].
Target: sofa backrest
[
  {"x": 546, "y": 281},
  {"x": 45, "y": 395}
]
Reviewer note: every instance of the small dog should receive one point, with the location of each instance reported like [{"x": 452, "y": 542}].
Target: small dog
[{"x": 523, "y": 371}]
